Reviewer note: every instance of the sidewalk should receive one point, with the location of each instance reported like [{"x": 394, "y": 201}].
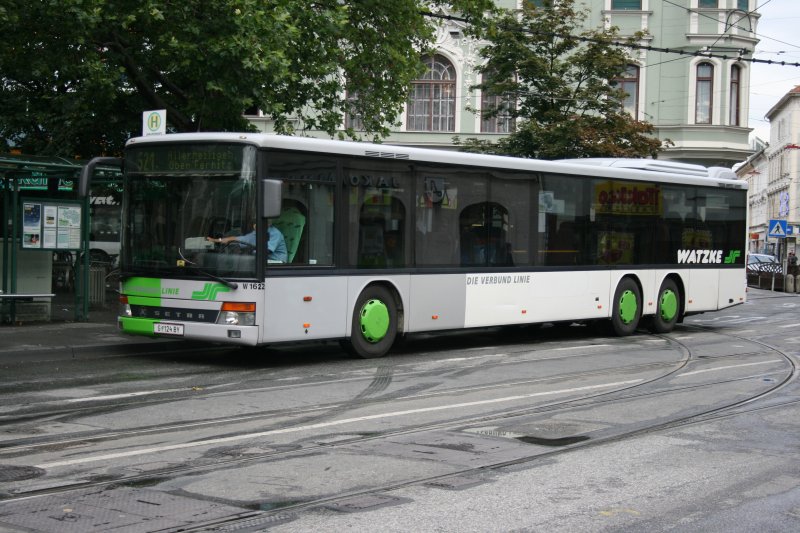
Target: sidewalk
[{"x": 64, "y": 338}]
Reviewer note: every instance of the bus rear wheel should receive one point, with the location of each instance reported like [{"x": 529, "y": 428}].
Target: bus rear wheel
[
  {"x": 627, "y": 308},
  {"x": 374, "y": 323},
  {"x": 668, "y": 309}
]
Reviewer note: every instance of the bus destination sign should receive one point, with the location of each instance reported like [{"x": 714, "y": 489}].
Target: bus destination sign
[{"x": 186, "y": 159}]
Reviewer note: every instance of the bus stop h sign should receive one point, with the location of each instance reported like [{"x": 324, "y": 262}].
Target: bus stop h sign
[{"x": 154, "y": 122}]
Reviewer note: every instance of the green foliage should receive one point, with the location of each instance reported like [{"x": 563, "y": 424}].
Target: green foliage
[
  {"x": 558, "y": 74},
  {"x": 76, "y": 75}
]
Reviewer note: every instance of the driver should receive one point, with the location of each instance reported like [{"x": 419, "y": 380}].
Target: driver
[{"x": 276, "y": 245}]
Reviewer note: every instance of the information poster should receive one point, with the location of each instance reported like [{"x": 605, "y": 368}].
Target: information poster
[
  {"x": 50, "y": 225},
  {"x": 31, "y": 225},
  {"x": 69, "y": 224}
]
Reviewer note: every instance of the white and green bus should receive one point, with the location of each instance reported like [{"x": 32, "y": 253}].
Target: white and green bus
[{"x": 383, "y": 241}]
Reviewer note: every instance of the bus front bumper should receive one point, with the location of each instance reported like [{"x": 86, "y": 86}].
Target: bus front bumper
[{"x": 220, "y": 333}]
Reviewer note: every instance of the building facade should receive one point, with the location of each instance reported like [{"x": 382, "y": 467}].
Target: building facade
[
  {"x": 774, "y": 178},
  {"x": 755, "y": 172},
  {"x": 699, "y": 104}
]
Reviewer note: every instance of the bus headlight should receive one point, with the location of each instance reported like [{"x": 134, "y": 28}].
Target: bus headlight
[
  {"x": 235, "y": 318},
  {"x": 237, "y": 314},
  {"x": 124, "y": 307}
]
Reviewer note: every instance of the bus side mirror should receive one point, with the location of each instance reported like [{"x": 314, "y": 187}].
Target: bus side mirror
[
  {"x": 270, "y": 198},
  {"x": 87, "y": 172}
]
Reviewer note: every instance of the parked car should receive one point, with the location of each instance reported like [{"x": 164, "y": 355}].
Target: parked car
[
  {"x": 763, "y": 263},
  {"x": 765, "y": 272}
]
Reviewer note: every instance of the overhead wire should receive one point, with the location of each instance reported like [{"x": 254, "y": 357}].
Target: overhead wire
[{"x": 630, "y": 45}]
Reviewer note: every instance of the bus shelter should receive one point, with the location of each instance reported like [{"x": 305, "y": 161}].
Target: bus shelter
[{"x": 46, "y": 236}]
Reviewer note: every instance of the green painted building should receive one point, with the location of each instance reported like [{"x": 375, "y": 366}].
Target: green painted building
[{"x": 699, "y": 103}]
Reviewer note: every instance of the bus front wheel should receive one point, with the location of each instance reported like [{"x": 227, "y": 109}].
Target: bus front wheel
[
  {"x": 627, "y": 308},
  {"x": 374, "y": 323}
]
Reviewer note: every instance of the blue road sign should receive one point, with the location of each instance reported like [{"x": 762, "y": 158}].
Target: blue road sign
[{"x": 777, "y": 228}]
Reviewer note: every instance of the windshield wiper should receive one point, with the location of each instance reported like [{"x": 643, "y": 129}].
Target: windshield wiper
[
  {"x": 193, "y": 266},
  {"x": 226, "y": 282}
]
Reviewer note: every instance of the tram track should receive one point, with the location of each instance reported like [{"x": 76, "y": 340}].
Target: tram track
[
  {"x": 365, "y": 397},
  {"x": 477, "y": 475},
  {"x": 306, "y": 416},
  {"x": 622, "y": 393},
  {"x": 288, "y": 512},
  {"x": 378, "y": 382}
]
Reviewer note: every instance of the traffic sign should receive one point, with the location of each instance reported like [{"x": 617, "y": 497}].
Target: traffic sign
[
  {"x": 154, "y": 122},
  {"x": 777, "y": 228}
]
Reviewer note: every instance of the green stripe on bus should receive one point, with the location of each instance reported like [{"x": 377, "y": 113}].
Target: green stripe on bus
[
  {"x": 137, "y": 326},
  {"x": 149, "y": 288},
  {"x": 144, "y": 300}
]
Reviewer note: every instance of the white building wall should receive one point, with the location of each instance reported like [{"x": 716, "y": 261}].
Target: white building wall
[{"x": 773, "y": 176}]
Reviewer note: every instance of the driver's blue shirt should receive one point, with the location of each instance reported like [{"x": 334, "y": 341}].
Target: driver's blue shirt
[{"x": 276, "y": 245}]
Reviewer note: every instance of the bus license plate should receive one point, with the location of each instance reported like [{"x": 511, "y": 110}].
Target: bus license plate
[{"x": 168, "y": 329}]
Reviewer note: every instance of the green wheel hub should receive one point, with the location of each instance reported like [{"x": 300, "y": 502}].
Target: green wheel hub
[
  {"x": 669, "y": 305},
  {"x": 627, "y": 307},
  {"x": 374, "y": 320}
]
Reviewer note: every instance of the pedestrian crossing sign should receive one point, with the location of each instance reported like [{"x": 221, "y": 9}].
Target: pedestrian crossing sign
[{"x": 777, "y": 228}]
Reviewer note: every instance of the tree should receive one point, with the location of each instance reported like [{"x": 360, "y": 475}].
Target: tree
[
  {"x": 76, "y": 75},
  {"x": 556, "y": 81}
]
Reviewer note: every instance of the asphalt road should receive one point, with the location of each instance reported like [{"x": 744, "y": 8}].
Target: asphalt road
[{"x": 551, "y": 429}]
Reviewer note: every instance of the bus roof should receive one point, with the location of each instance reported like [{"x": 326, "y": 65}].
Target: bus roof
[{"x": 633, "y": 169}]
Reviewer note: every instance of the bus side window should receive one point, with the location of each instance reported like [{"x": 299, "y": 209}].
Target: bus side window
[
  {"x": 565, "y": 245},
  {"x": 378, "y": 197},
  {"x": 437, "y": 219},
  {"x": 306, "y": 220},
  {"x": 380, "y": 235},
  {"x": 484, "y": 235},
  {"x": 511, "y": 219},
  {"x": 394, "y": 246},
  {"x": 371, "y": 251}
]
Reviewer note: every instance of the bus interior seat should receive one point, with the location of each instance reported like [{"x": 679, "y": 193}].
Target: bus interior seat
[{"x": 291, "y": 223}]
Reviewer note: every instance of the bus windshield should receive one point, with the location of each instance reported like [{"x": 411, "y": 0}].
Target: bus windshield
[{"x": 181, "y": 200}]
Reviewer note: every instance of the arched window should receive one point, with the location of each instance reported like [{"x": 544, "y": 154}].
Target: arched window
[
  {"x": 735, "y": 100},
  {"x": 704, "y": 93},
  {"x": 629, "y": 82},
  {"x": 432, "y": 103}
]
